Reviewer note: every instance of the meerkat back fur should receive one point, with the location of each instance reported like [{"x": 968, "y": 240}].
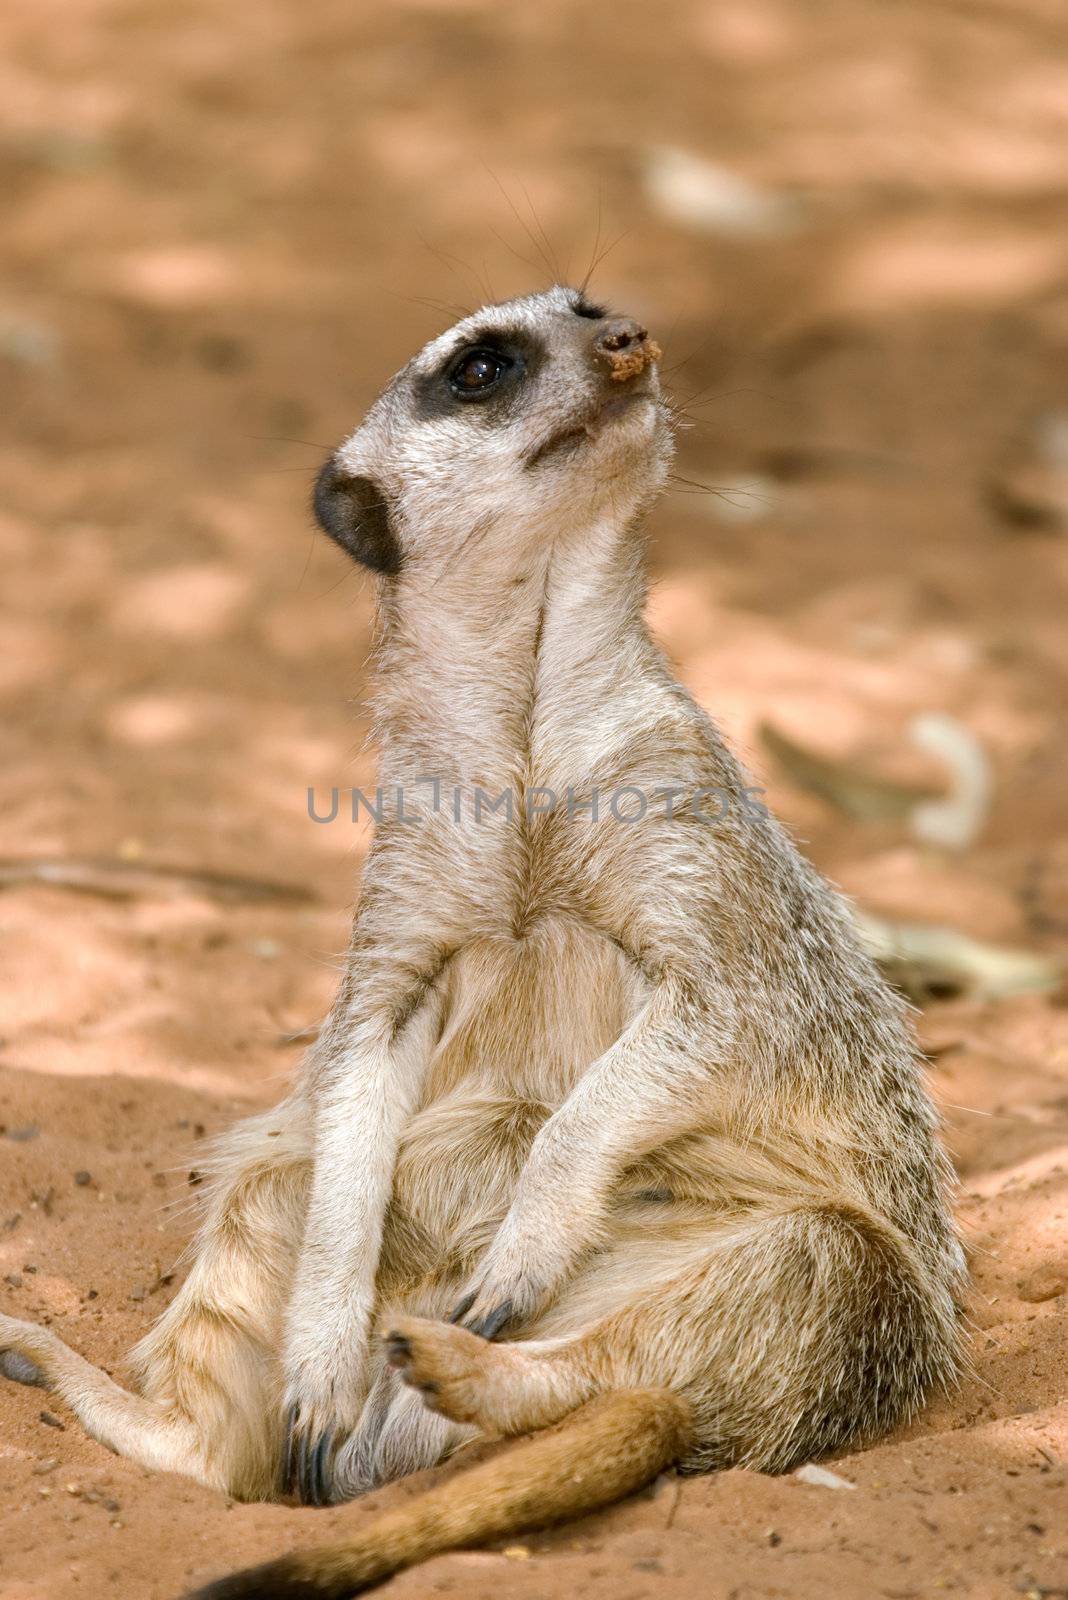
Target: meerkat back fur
[{"x": 613, "y": 1128}]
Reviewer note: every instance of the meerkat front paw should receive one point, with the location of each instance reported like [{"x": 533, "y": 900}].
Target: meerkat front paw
[
  {"x": 515, "y": 1281},
  {"x": 489, "y": 1308},
  {"x": 314, "y": 1427},
  {"x": 324, "y": 1397},
  {"x": 556, "y": 1218}
]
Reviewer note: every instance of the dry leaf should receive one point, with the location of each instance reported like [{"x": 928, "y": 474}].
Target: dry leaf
[
  {"x": 925, "y": 961},
  {"x": 858, "y": 793}
]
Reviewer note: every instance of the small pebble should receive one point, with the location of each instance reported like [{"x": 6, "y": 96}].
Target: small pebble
[
  {"x": 14, "y": 1279},
  {"x": 49, "y": 1464},
  {"x": 23, "y": 1135},
  {"x": 52, "y": 1422},
  {"x": 83, "y": 1178}
]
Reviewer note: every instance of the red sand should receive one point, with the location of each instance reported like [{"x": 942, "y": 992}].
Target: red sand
[{"x": 212, "y": 223}]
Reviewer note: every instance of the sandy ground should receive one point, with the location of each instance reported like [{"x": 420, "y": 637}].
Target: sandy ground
[{"x": 219, "y": 225}]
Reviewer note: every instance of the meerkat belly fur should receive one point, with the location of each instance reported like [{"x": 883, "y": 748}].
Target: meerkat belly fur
[{"x": 613, "y": 1126}]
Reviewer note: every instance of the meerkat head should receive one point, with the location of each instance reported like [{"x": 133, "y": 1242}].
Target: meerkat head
[{"x": 528, "y": 422}]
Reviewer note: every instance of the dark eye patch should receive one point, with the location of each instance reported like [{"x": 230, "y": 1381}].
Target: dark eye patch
[
  {"x": 506, "y": 356},
  {"x": 586, "y": 308}
]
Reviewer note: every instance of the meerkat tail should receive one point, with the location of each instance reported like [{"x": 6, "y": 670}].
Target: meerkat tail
[{"x": 596, "y": 1455}]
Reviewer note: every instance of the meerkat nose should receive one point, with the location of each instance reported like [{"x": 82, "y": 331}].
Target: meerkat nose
[
  {"x": 624, "y": 347},
  {"x": 619, "y": 334}
]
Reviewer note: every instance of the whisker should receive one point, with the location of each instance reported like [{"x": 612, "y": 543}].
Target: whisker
[
  {"x": 694, "y": 486},
  {"x": 281, "y": 438},
  {"x": 677, "y": 366},
  {"x": 705, "y": 396},
  {"x": 535, "y": 269},
  {"x": 351, "y": 570},
  {"x": 540, "y": 226},
  {"x": 447, "y": 308},
  {"x": 596, "y": 237},
  {"x": 510, "y": 203},
  {"x": 452, "y": 262},
  {"x": 605, "y": 253}
]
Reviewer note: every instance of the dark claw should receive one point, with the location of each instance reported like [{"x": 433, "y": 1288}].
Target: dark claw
[
  {"x": 463, "y": 1308},
  {"x": 490, "y": 1325},
  {"x": 321, "y": 1462},
  {"x": 429, "y": 1392},
  {"x": 302, "y": 1473},
  {"x": 398, "y": 1348},
  {"x": 286, "y": 1475}
]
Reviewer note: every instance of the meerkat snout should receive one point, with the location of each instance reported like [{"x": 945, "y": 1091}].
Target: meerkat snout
[{"x": 625, "y": 348}]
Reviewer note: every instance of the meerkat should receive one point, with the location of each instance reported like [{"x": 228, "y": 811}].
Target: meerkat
[{"x": 613, "y": 1134}]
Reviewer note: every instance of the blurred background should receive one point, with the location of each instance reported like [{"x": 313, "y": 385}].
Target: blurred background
[{"x": 224, "y": 227}]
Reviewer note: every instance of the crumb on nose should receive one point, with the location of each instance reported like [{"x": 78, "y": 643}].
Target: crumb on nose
[{"x": 625, "y": 348}]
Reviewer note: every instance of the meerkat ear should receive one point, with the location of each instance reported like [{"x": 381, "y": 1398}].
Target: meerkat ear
[{"x": 355, "y": 513}]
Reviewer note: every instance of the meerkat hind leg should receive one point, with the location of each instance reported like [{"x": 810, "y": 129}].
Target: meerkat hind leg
[
  {"x": 124, "y": 1422},
  {"x": 208, "y": 1368},
  {"x": 745, "y": 1326}
]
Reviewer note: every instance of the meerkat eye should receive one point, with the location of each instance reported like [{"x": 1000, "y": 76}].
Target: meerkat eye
[
  {"x": 585, "y": 308},
  {"x": 476, "y": 372}
]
